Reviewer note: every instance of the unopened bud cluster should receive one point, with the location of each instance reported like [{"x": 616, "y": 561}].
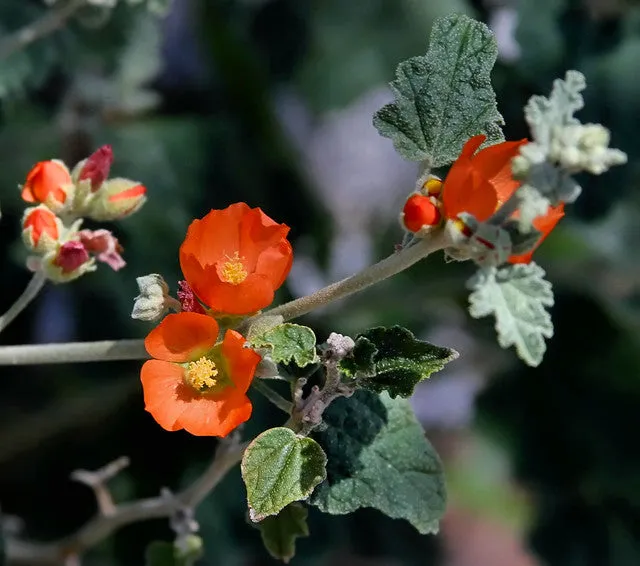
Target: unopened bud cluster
[{"x": 62, "y": 199}]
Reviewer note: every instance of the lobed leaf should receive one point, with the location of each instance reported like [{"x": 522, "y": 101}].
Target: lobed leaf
[
  {"x": 288, "y": 343},
  {"x": 445, "y": 96},
  {"x": 517, "y": 296},
  {"x": 393, "y": 360},
  {"x": 380, "y": 458}
]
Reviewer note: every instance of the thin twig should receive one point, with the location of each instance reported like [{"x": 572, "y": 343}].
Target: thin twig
[
  {"x": 53, "y": 20},
  {"x": 100, "y": 527},
  {"x": 31, "y": 291},
  {"x": 97, "y": 481},
  {"x": 72, "y": 352},
  {"x": 273, "y": 396}
]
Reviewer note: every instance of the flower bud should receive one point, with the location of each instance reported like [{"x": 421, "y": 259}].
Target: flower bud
[
  {"x": 104, "y": 245},
  {"x": 49, "y": 183},
  {"x": 68, "y": 262},
  {"x": 96, "y": 167},
  {"x": 41, "y": 229},
  {"x": 419, "y": 211},
  {"x": 116, "y": 199},
  {"x": 154, "y": 300}
]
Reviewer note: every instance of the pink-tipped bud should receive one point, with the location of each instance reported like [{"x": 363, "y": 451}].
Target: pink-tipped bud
[
  {"x": 68, "y": 262},
  {"x": 41, "y": 229},
  {"x": 96, "y": 167},
  {"x": 419, "y": 212},
  {"x": 104, "y": 245},
  {"x": 117, "y": 199}
]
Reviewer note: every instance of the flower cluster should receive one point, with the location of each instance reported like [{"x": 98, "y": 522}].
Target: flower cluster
[
  {"x": 62, "y": 199},
  {"x": 477, "y": 185},
  {"x": 233, "y": 261}
]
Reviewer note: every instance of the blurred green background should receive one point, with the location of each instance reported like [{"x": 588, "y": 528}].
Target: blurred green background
[{"x": 270, "y": 102}]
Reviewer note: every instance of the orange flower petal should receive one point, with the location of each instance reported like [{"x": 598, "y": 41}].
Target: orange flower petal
[
  {"x": 275, "y": 263},
  {"x": 545, "y": 224},
  {"x": 464, "y": 190},
  {"x": 206, "y": 416},
  {"x": 242, "y": 362},
  {"x": 258, "y": 233},
  {"x": 46, "y": 180},
  {"x": 208, "y": 250},
  {"x": 182, "y": 337},
  {"x": 161, "y": 383},
  {"x": 495, "y": 159}
]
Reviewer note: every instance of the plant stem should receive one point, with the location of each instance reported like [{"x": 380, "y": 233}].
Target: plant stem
[
  {"x": 72, "y": 352},
  {"x": 111, "y": 350},
  {"x": 53, "y": 20},
  {"x": 384, "y": 269},
  {"x": 278, "y": 400},
  {"x": 31, "y": 291},
  {"x": 228, "y": 454}
]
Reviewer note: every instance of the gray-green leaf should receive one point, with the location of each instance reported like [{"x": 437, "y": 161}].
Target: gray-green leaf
[
  {"x": 444, "y": 97},
  {"x": 517, "y": 296},
  {"x": 380, "y": 458},
  {"x": 279, "y": 533},
  {"x": 288, "y": 343},
  {"x": 278, "y": 468},
  {"x": 393, "y": 360}
]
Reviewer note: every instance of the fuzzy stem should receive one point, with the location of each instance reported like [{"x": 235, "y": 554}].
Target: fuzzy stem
[
  {"x": 105, "y": 350},
  {"x": 31, "y": 291},
  {"x": 384, "y": 269}
]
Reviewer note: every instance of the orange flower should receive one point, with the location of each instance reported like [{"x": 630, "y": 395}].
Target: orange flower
[
  {"x": 234, "y": 259},
  {"x": 48, "y": 182},
  {"x": 419, "y": 211},
  {"x": 479, "y": 183},
  {"x": 195, "y": 383},
  {"x": 543, "y": 224}
]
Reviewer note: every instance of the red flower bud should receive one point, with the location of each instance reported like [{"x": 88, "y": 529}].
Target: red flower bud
[
  {"x": 419, "y": 211},
  {"x": 71, "y": 256},
  {"x": 49, "y": 182},
  {"x": 41, "y": 229},
  {"x": 97, "y": 166}
]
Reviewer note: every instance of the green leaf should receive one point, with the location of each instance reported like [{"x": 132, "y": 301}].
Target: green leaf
[
  {"x": 279, "y": 533},
  {"x": 444, "y": 97},
  {"x": 517, "y": 296},
  {"x": 393, "y": 360},
  {"x": 288, "y": 342},
  {"x": 278, "y": 468},
  {"x": 379, "y": 457}
]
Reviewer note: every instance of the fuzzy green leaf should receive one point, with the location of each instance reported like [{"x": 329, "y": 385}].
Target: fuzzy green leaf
[
  {"x": 278, "y": 468},
  {"x": 279, "y": 533},
  {"x": 444, "y": 97},
  {"x": 288, "y": 343},
  {"x": 517, "y": 296},
  {"x": 393, "y": 360},
  {"x": 380, "y": 458}
]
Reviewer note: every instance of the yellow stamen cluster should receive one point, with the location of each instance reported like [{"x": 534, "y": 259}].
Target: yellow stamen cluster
[
  {"x": 201, "y": 374},
  {"x": 233, "y": 270},
  {"x": 432, "y": 187}
]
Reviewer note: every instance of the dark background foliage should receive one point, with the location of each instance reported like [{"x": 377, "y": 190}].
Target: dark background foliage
[{"x": 270, "y": 102}]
